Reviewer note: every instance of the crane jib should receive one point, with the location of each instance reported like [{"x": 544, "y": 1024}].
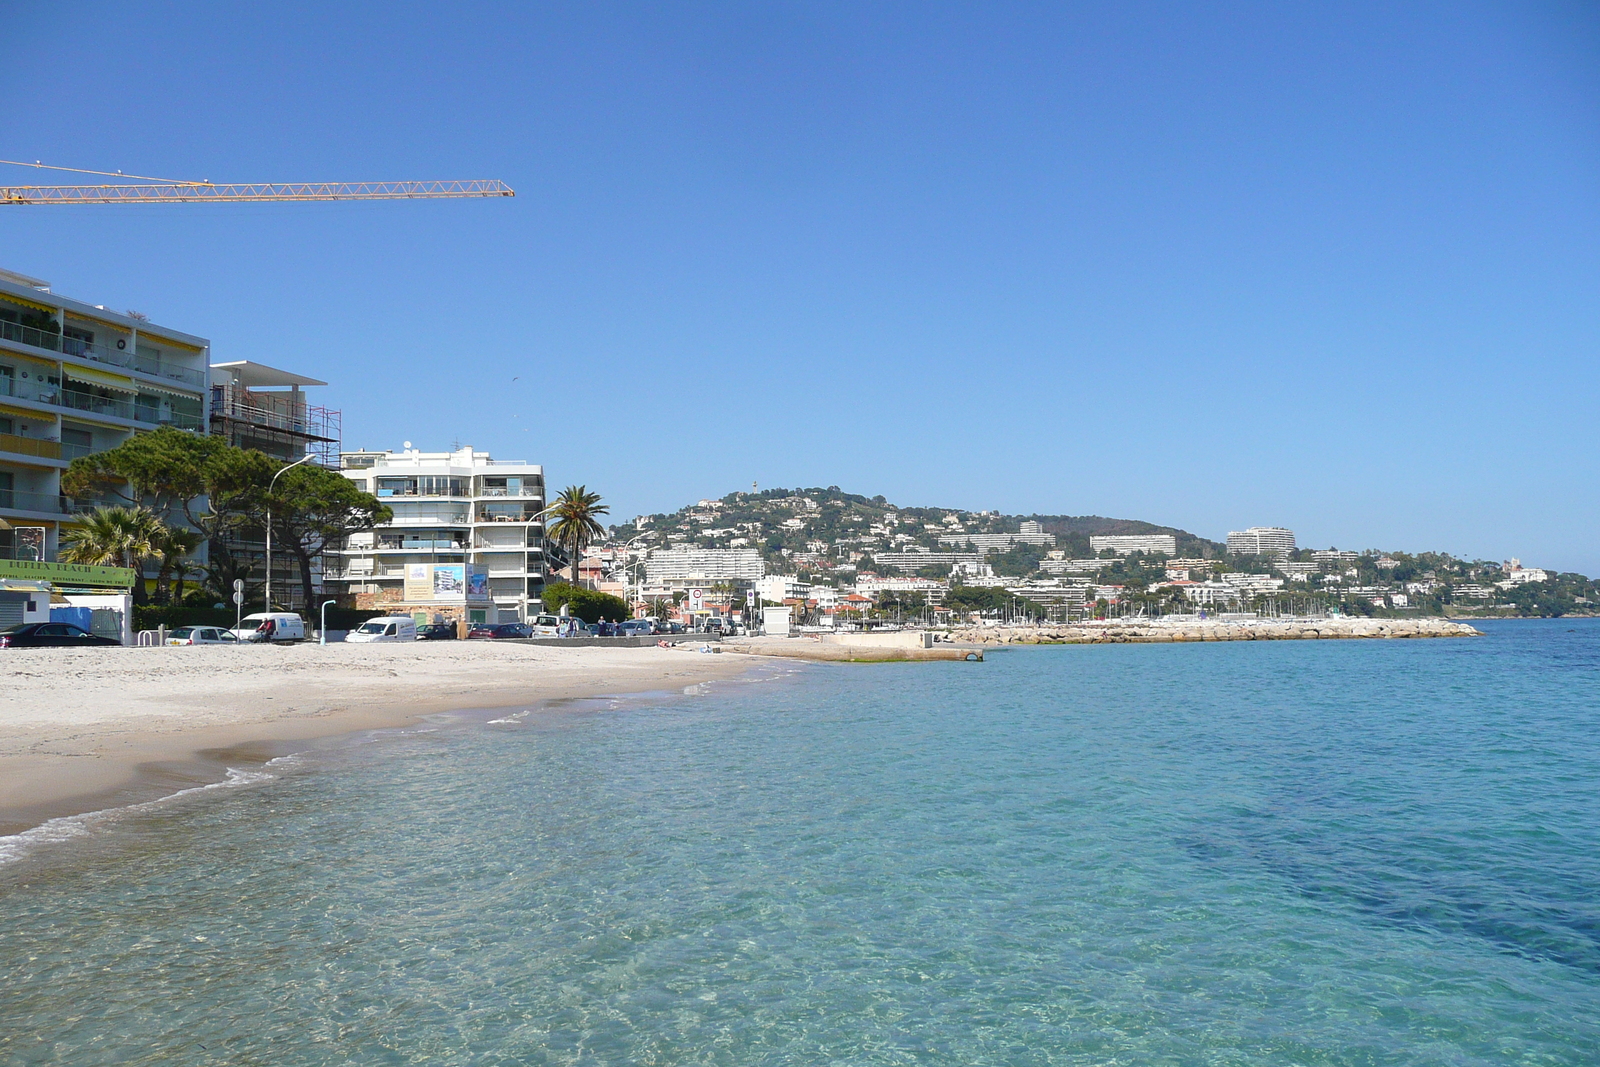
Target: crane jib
[{"x": 200, "y": 192}]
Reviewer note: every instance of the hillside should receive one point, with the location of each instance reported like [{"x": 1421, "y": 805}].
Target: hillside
[{"x": 823, "y": 529}]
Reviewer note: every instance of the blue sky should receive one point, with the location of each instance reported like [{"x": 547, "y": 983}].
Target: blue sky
[{"x": 1326, "y": 266}]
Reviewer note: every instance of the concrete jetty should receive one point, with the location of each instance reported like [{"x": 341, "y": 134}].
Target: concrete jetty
[{"x": 1136, "y": 631}]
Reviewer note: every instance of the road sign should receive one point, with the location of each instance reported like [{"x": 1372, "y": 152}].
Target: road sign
[
  {"x": 696, "y": 596},
  {"x": 238, "y": 597},
  {"x": 238, "y": 585}
]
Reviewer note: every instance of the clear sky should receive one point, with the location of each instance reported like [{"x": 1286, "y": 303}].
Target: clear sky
[{"x": 1326, "y": 266}]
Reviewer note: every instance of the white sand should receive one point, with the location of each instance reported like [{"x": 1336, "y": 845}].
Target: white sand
[{"x": 87, "y": 728}]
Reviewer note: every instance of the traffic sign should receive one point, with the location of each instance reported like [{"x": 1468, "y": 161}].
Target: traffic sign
[{"x": 238, "y": 597}]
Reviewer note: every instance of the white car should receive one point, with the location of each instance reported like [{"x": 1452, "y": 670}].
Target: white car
[
  {"x": 201, "y": 635},
  {"x": 273, "y": 626},
  {"x": 388, "y": 628},
  {"x": 545, "y": 625}
]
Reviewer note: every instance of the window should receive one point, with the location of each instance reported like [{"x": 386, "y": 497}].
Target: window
[{"x": 6, "y": 427}]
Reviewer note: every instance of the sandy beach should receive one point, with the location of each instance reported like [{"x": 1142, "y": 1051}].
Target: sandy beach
[{"x": 90, "y": 729}]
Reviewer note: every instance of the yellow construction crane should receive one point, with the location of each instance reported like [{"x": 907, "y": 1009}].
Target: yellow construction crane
[{"x": 176, "y": 191}]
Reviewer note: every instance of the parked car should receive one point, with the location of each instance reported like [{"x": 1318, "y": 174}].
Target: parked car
[
  {"x": 201, "y": 635},
  {"x": 716, "y": 624},
  {"x": 273, "y": 626},
  {"x": 636, "y": 628},
  {"x": 546, "y": 626},
  {"x": 500, "y": 630},
  {"x": 437, "y": 631},
  {"x": 389, "y": 628},
  {"x": 50, "y": 635}
]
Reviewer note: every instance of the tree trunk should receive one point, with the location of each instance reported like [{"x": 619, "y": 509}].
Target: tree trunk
[
  {"x": 575, "y": 555},
  {"x": 303, "y": 557}
]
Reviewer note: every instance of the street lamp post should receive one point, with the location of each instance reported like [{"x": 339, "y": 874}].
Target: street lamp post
[
  {"x": 270, "y": 486},
  {"x": 323, "y": 633}
]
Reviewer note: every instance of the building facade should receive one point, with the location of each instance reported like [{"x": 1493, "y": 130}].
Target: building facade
[
  {"x": 466, "y": 540},
  {"x": 1128, "y": 544},
  {"x": 672, "y": 570},
  {"x": 1261, "y": 541},
  {"x": 256, "y": 406},
  {"x": 75, "y": 379}
]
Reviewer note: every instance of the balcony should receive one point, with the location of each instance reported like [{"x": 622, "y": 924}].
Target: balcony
[
  {"x": 507, "y": 513},
  {"x": 501, "y": 491},
  {"x": 72, "y": 346},
  {"x": 30, "y": 446},
  {"x": 73, "y": 400},
  {"x": 21, "y": 500},
  {"x": 451, "y": 518}
]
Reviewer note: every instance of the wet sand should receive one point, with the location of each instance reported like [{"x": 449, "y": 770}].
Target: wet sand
[{"x": 82, "y": 730}]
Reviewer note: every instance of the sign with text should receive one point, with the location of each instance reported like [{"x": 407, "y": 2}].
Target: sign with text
[{"x": 77, "y": 574}]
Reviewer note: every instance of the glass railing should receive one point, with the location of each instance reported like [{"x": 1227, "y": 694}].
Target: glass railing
[
  {"x": 20, "y": 500},
  {"x": 72, "y": 346},
  {"x": 502, "y": 490},
  {"x": 122, "y": 409}
]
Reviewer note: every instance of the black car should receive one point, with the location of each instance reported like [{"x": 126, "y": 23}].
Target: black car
[
  {"x": 505, "y": 629},
  {"x": 50, "y": 635},
  {"x": 439, "y": 631}
]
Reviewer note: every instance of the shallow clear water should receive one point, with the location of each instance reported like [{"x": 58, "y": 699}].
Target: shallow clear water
[{"x": 1287, "y": 853}]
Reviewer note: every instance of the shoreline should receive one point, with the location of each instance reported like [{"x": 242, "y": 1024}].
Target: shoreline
[{"x": 83, "y": 731}]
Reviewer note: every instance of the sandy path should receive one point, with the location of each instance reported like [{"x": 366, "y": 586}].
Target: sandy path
[{"x": 84, "y": 729}]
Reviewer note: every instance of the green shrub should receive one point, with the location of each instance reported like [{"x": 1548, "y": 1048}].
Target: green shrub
[{"x": 586, "y": 604}]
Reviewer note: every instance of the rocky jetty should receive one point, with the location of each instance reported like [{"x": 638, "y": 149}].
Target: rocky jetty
[{"x": 1133, "y": 631}]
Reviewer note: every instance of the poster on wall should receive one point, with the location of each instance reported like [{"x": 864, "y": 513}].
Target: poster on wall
[
  {"x": 28, "y": 541},
  {"x": 419, "y": 582},
  {"x": 477, "y": 584},
  {"x": 449, "y": 581}
]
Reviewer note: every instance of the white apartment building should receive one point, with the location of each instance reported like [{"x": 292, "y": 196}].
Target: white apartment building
[
  {"x": 780, "y": 587},
  {"x": 1030, "y": 533},
  {"x": 466, "y": 540},
  {"x": 871, "y": 586},
  {"x": 669, "y": 570},
  {"x": 914, "y": 561},
  {"x": 1073, "y": 566},
  {"x": 1331, "y": 559},
  {"x": 76, "y": 378},
  {"x": 1261, "y": 541},
  {"x": 1128, "y": 544}
]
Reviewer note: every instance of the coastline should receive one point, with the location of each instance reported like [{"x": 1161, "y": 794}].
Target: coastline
[
  {"x": 88, "y": 730},
  {"x": 1159, "y": 631}
]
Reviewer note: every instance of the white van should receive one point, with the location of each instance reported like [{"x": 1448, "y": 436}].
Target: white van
[
  {"x": 545, "y": 625},
  {"x": 274, "y": 626},
  {"x": 387, "y": 628}
]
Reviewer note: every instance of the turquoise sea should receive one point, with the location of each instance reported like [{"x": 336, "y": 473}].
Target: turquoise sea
[{"x": 1276, "y": 853}]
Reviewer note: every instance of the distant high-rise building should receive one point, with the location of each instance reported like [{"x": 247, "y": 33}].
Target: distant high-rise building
[{"x": 1261, "y": 541}]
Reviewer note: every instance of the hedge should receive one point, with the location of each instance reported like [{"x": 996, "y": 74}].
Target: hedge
[{"x": 152, "y": 616}]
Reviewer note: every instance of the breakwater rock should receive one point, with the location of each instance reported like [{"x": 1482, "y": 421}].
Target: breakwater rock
[{"x": 1133, "y": 631}]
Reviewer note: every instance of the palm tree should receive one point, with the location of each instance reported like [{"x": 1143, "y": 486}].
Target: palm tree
[
  {"x": 175, "y": 548},
  {"x": 116, "y": 536},
  {"x": 577, "y": 521}
]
